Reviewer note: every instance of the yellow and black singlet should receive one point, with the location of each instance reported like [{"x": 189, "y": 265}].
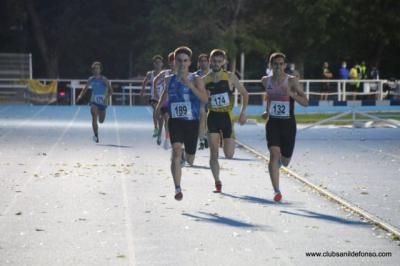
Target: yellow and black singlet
[{"x": 221, "y": 96}]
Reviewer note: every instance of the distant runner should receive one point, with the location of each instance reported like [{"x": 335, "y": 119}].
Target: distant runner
[{"x": 101, "y": 92}]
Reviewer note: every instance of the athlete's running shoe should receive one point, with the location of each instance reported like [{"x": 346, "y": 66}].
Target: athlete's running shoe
[
  {"x": 278, "y": 196},
  {"x": 96, "y": 139},
  {"x": 155, "y": 132},
  {"x": 166, "y": 144},
  {"x": 202, "y": 145},
  {"x": 178, "y": 194},
  {"x": 218, "y": 186},
  {"x": 159, "y": 139}
]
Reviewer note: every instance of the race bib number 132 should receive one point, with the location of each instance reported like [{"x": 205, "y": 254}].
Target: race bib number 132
[{"x": 279, "y": 109}]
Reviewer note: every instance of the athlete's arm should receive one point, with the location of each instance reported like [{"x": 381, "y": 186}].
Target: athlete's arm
[
  {"x": 163, "y": 97},
  {"x": 156, "y": 80},
  {"x": 198, "y": 88},
  {"x": 265, "y": 115},
  {"x": 145, "y": 81},
  {"x": 85, "y": 89},
  {"x": 245, "y": 97},
  {"x": 297, "y": 93},
  {"x": 109, "y": 88}
]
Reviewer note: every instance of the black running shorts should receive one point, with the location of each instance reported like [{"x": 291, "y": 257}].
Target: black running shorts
[
  {"x": 281, "y": 133},
  {"x": 220, "y": 122},
  {"x": 184, "y": 131}
]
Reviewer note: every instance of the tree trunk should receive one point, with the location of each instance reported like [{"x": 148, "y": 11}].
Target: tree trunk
[
  {"x": 237, "y": 10},
  {"x": 50, "y": 59},
  {"x": 379, "y": 52}
]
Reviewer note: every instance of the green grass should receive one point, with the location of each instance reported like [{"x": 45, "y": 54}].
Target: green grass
[{"x": 313, "y": 118}]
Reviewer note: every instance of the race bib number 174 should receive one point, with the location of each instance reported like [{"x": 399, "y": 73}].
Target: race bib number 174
[{"x": 220, "y": 100}]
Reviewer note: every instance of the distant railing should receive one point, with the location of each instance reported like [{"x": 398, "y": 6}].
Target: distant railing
[
  {"x": 127, "y": 92},
  {"x": 339, "y": 88}
]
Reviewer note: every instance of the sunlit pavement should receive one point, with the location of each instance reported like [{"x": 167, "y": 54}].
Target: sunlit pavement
[{"x": 65, "y": 200}]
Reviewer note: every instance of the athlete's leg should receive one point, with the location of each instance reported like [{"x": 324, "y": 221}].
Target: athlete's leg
[
  {"x": 94, "y": 112},
  {"x": 102, "y": 116},
  {"x": 202, "y": 126},
  {"x": 155, "y": 121},
  {"x": 213, "y": 142},
  {"x": 189, "y": 158},
  {"x": 160, "y": 122},
  {"x": 273, "y": 166},
  {"x": 229, "y": 137},
  {"x": 191, "y": 135},
  {"x": 229, "y": 147},
  {"x": 288, "y": 142},
  {"x": 176, "y": 169},
  {"x": 166, "y": 117},
  {"x": 166, "y": 140}
]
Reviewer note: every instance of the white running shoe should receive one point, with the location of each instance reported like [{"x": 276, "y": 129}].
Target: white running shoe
[
  {"x": 155, "y": 132},
  {"x": 167, "y": 144}
]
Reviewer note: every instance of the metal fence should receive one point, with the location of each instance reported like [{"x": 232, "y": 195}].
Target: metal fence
[
  {"x": 16, "y": 66},
  {"x": 127, "y": 92}
]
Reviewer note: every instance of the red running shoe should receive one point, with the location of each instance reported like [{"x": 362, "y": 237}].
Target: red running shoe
[
  {"x": 278, "y": 197},
  {"x": 218, "y": 187}
]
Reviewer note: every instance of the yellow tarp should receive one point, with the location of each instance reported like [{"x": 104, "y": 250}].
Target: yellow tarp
[{"x": 37, "y": 87}]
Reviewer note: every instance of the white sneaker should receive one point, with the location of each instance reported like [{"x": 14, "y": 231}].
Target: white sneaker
[{"x": 167, "y": 144}]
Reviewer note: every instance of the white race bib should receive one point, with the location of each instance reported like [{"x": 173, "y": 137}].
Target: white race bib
[
  {"x": 181, "y": 110},
  {"x": 279, "y": 109},
  {"x": 99, "y": 99},
  {"x": 220, "y": 100}
]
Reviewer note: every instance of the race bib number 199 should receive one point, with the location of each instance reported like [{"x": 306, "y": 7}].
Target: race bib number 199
[
  {"x": 279, "y": 109},
  {"x": 181, "y": 110}
]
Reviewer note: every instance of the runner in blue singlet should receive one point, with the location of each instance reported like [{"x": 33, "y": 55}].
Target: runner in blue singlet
[
  {"x": 101, "y": 92},
  {"x": 185, "y": 91}
]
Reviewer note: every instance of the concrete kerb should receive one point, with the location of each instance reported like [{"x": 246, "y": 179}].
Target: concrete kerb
[{"x": 362, "y": 213}]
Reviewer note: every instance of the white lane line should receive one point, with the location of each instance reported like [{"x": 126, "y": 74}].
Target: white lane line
[
  {"x": 24, "y": 122},
  {"x": 128, "y": 220},
  {"x": 42, "y": 162},
  {"x": 150, "y": 110},
  {"x": 366, "y": 215}
]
